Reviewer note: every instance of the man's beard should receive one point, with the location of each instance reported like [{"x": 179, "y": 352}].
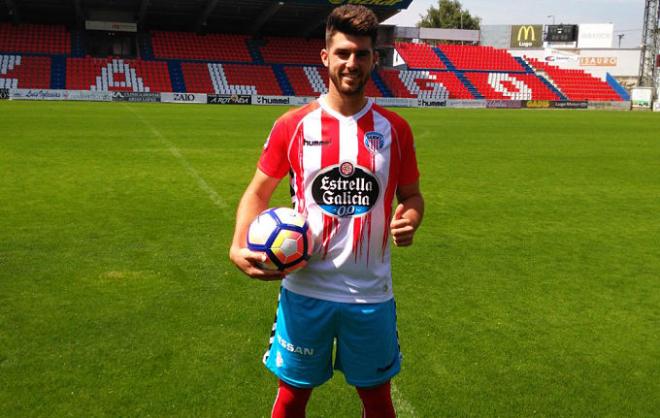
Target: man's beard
[{"x": 356, "y": 89}]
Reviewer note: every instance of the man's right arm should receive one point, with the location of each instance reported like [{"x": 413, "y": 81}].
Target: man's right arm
[{"x": 254, "y": 201}]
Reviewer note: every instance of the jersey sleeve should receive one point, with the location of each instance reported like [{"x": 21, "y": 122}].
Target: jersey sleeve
[
  {"x": 274, "y": 161},
  {"x": 408, "y": 172}
]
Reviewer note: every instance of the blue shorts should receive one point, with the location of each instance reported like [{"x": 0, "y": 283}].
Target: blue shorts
[{"x": 306, "y": 330}]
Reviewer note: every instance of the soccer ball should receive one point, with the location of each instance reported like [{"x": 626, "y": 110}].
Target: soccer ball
[{"x": 284, "y": 235}]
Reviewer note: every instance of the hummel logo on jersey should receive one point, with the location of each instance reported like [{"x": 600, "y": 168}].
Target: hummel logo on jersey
[{"x": 316, "y": 143}]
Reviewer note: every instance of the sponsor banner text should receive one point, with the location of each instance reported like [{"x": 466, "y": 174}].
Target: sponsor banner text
[
  {"x": 128, "y": 96},
  {"x": 190, "y": 98},
  {"x": 569, "y": 105},
  {"x": 467, "y": 104},
  {"x": 504, "y": 104},
  {"x": 50, "y": 94},
  {"x": 238, "y": 99}
]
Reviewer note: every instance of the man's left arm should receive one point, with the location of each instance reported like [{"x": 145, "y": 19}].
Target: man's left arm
[{"x": 407, "y": 215}]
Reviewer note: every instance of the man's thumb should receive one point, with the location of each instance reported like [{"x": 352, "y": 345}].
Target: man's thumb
[{"x": 398, "y": 212}]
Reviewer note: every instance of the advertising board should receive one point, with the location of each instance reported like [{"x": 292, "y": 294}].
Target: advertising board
[
  {"x": 50, "y": 94},
  {"x": 536, "y": 104},
  {"x": 4, "y": 94},
  {"x": 467, "y": 104},
  {"x": 504, "y": 104},
  {"x": 186, "y": 98},
  {"x": 395, "y": 102},
  {"x": 526, "y": 36},
  {"x": 599, "y": 105},
  {"x": 595, "y": 35},
  {"x": 642, "y": 97},
  {"x": 237, "y": 99},
  {"x": 281, "y": 100},
  {"x": 569, "y": 105},
  {"x": 129, "y": 96},
  {"x": 431, "y": 102}
]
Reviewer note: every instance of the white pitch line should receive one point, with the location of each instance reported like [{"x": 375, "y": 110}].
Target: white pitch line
[
  {"x": 403, "y": 408},
  {"x": 213, "y": 195}
]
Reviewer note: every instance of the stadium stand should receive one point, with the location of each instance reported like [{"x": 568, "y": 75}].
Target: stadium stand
[
  {"x": 230, "y": 78},
  {"x": 510, "y": 86},
  {"x": 306, "y": 81},
  {"x": 470, "y": 57},
  {"x": 49, "y": 56},
  {"x": 102, "y": 74},
  {"x": 189, "y": 46},
  {"x": 18, "y": 71},
  {"x": 277, "y": 50},
  {"x": 575, "y": 84},
  {"x": 428, "y": 84},
  {"x": 36, "y": 39}
]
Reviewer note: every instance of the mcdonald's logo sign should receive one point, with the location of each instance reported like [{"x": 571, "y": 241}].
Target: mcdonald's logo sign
[{"x": 526, "y": 36}]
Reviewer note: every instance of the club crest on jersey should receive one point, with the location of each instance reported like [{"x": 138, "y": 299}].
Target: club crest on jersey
[
  {"x": 374, "y": 141},
  {"x": 345, "y": 190}
]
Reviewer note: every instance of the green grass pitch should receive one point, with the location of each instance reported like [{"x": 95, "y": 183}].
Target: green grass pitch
[{"x": 532, "y": 289}]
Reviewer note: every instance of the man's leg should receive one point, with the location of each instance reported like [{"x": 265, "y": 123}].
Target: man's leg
[
  {"x": 290, "y": 401},
  {"x": 377, "y": 401}
]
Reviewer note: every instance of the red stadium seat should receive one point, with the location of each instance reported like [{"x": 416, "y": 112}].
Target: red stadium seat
[
  {"x": 470, "y": 57},
  {"x": 37, "y": 39},
  {"x": 104, "y": 74},
  {"x": 576, "y": 84},
  {"x": 230, "y": 78},
  {"x": 212, "y": 47},
  {"x": 507, "y": 86},
  {"x": 18, "y": 71},
  {"x": 419, "y": 56},
  {"x": 292, "y": 50}
]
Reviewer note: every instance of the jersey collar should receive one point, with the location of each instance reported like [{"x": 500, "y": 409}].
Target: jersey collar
[{"x": 324, "y": 105}]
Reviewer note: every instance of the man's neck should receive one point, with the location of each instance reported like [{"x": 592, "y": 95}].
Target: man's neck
[{"x": 343, "y": 104}]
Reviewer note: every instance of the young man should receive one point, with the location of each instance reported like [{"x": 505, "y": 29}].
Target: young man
[{"x": 347, "y": 158}]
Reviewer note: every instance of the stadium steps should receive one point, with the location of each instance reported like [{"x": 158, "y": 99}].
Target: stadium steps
[
  {"x": 444, "y": 59},
  {"x": 551, "y": 86},
  {"x": 77, "y": 44},
  {"x": 471, "y": 88},
  {"x": 524, "y": 64},
  {"x": 176, "y": 76},
  {"x": 282, "y": 80},
  {"x": 253, "y": 46},
  {"x": 479, "y": 58},
  {"x": 544, "y": 77},
  {"x": 618, "y": 88},
  {"x": 144, "y": 46},
  {"x": 58, "y": 72},
  {"x": 378, "y": 81},
  {"x": 420, "y": 56}
]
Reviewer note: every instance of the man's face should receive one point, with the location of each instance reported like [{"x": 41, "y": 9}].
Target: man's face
[{"x": 349, "y": 60}]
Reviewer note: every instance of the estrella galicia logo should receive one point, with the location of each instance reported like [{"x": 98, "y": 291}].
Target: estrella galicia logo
[
  {"x": 345, "y": 190},
  {"x": 374, "y": 141}
]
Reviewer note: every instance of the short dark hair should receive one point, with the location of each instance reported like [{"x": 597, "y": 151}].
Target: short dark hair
[{"x": 353, "y": 20}]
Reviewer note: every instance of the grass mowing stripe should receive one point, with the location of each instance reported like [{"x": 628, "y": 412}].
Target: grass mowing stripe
[
  {"x": 213, "y": 195},
  {"x": 403, "y": 408},
  {"x": 532, "y": 288}
]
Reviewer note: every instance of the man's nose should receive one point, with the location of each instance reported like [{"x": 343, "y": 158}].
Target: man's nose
[{"x": 351, "y": 62}]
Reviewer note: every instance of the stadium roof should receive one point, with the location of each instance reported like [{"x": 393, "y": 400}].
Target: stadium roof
[{"x": 257, "y": 17}]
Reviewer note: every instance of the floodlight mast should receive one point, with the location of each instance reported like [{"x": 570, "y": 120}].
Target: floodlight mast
[{"x": 650, "y": 45}]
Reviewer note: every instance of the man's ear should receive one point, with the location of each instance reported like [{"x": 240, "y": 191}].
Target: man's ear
[{"x": 324, "y": 57}]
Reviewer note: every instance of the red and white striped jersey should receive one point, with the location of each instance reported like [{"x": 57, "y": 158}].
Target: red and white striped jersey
[{"x": 344, "y": 172}]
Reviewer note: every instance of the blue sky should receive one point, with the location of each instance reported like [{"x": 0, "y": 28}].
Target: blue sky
[{"x": 627, "y": 15}]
